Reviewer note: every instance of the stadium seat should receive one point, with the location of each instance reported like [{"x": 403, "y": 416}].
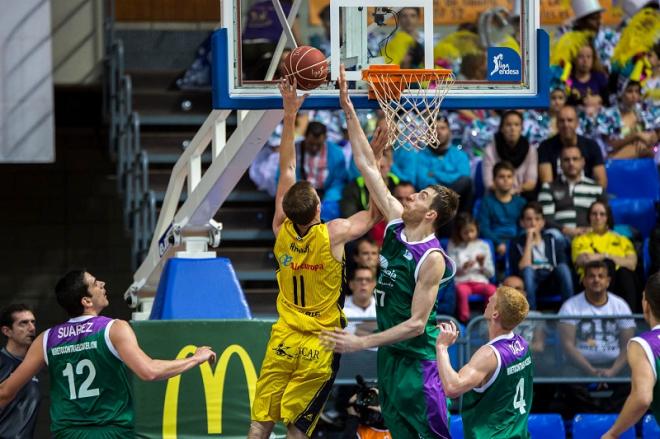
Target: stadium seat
[
  {"x": 637, "y": 212},
  {"x": 646, "y": 256},
  {"x": 546, "y": 426},
  {"x": 456, "y": 427},
  {"x": 620, "y": 174},
  {"x": 593, "y": 426},
  {"x": 650, "y": 429},
  {"x": 475, "y": 208},
  {"x": 479, "y": 188},
  {"x": 199, "y": 289}
]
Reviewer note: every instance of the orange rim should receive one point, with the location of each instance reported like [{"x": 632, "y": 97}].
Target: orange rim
[{"x": 390, "y": 79}]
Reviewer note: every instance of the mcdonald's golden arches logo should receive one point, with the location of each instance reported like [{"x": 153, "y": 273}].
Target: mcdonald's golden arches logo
[{"x": 214, "y": 384}]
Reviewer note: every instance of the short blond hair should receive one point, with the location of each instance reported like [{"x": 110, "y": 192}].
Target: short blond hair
[{"x": 512, "y": 306}]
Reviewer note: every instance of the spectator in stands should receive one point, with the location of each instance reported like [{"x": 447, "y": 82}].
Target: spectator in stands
[
  {"x": 629, "y": 128},
  {"x": 539, "y": 125},
  {"x": 511, "y": 146},
  {"x": 367, "y": 254},
  {"x": 588, "y": 17},
  {"x": 405, "y": 48},
  {"x": 588, "y": 77},
  {"x": 361, "y": 304},
  {"x": 534, "y": 331},
  {"x": 474, "y": 264},
  {"x": 322, "y": 164},
  {"x": 643, "y": 360},
  {"x": 550, "y": 149},
  {"x": 322, "y": 41},
  {"x": 616, "y": 251},
  {"x": 356, "y": 196},
  {"x": 260, "y": 36},
  {"x": 539, "y": 257},
  {"x": 445, "y": 164},
  {"x": 566, "y": 200},
  {"x": 18, "y": 419},
  {"x": 500, "y": 209},
  {"x": 596, "y": 347},
  {"x": 403, "y": 190}
]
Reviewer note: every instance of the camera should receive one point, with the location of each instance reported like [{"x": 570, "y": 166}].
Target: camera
[{"x": 366, "y": 397}]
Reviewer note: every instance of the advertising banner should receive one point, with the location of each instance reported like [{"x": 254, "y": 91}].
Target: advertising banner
[{"x": 207, "y": 401}]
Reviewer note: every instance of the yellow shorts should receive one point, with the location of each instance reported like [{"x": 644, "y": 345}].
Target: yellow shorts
[{"x": 295, "y": 380}]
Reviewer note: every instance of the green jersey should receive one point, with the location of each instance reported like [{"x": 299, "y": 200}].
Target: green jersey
[
  {"x": 400, "y": 262},
  {"x": 650, "y": 342},
  {"x": 88, "y": 381},
  {"x": 501, "y": 407}
]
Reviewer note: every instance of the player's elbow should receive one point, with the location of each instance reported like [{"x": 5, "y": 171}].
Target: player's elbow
[
  {"x": 643, "y": 399},
  {"x": 452, "y": 391},
  {"x": 147, "y": 373},
  {"x": 416, "y": 327}
]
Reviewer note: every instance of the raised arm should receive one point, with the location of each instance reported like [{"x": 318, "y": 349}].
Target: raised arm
[
  {"x": 33, "y": 363},
  {"x": 474, "y": 374},
  {"x": 364, "y": 156},
  {"x": 641, "y": 393},
  {"x": 291, "y": 103},
  {"x": 145, "y": 367},
  {"x": 426, "y": 292},
  {"x": 343, "y": 230}
]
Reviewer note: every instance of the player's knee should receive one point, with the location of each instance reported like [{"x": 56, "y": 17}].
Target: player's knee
[
  {"x": 260, "y": 430},
  {"x": 293, "y": 432}
]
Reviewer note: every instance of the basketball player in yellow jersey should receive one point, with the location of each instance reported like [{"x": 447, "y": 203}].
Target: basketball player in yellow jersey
[{"x": 297, "y": 373}]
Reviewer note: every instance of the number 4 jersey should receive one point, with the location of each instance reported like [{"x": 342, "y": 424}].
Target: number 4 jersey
[
  {"x": 500, "y": 408},
  {"x": 88, "y": 381}
]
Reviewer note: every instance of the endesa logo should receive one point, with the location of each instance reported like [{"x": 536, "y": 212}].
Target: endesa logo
[{"x": 503, "y": 65}]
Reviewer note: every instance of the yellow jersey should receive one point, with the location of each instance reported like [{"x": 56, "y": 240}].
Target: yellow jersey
[
  {"x": 609, "y": 242},
  {"x": 309, "y": 278}
]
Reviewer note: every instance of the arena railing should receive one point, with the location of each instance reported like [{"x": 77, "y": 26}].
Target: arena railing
[{"x": 550, "y": 363}]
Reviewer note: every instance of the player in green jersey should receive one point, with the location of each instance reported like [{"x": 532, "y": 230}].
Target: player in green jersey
[
  {"x": 496, "y": 383},
  {"x": 87, "y": 359},
  {"x": 412, "y": 267},
  {"x": 644, "y": 360}
]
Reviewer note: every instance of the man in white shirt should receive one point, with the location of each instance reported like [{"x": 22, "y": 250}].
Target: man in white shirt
[
  {"x": 596, "y": 347},
  {"x": 361, "y": 304}
]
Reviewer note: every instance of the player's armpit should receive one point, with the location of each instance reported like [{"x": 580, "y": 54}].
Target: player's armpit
[
  {"x": 475, "y": 373},
  {"x": 34, "y": 361}
]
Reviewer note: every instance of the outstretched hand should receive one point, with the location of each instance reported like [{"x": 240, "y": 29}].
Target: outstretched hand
[
  {"x": 344, "y": 98},
  {"x": 341, "y": 341},
  {"x": 204, "y": 353},
  {"x": 291, "y": 101},
  {"x": 379, "y": 140},
  {"x": 448, "y": 334}
]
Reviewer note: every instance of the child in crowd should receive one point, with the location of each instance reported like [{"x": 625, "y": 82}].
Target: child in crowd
[
  {"x": 500, "y": 209},
  {"x": 473, "y": 261}
]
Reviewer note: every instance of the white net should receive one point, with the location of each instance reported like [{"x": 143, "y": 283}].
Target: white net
[{"x": 411, "y": 102}]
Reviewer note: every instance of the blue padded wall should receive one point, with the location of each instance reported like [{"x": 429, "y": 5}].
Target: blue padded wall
[{"x": 199, "y": 289}]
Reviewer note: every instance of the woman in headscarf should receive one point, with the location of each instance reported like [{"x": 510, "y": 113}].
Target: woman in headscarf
[{"x": 509, "y": 144}]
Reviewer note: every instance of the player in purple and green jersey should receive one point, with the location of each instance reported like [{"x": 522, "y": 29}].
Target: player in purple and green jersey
[
  {"x": 413, "y": 266},
  {"x": 88, "y": 358},
  {"x": 644, "y": 359},
  {"x": 496, "y": 383}
]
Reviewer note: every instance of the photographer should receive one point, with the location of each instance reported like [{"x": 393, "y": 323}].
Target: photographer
[{"x": 365, "y": 420}]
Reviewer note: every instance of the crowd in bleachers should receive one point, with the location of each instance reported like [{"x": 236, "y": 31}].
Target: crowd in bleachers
[{"x": 533, "y": 184}]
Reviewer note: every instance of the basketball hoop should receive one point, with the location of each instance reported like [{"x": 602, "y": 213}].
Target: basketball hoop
[{"x": 410, "y": 116}]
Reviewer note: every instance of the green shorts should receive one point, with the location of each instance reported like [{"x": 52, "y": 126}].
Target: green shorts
[
  {"x": 95, "y": 433},
  {"x": 412, "y": 400}
]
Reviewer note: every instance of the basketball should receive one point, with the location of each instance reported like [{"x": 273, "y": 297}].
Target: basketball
[{"x": 308, "y": 65}]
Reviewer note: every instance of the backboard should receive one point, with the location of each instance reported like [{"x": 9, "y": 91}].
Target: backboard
[{"x": 495, "y": 49}]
